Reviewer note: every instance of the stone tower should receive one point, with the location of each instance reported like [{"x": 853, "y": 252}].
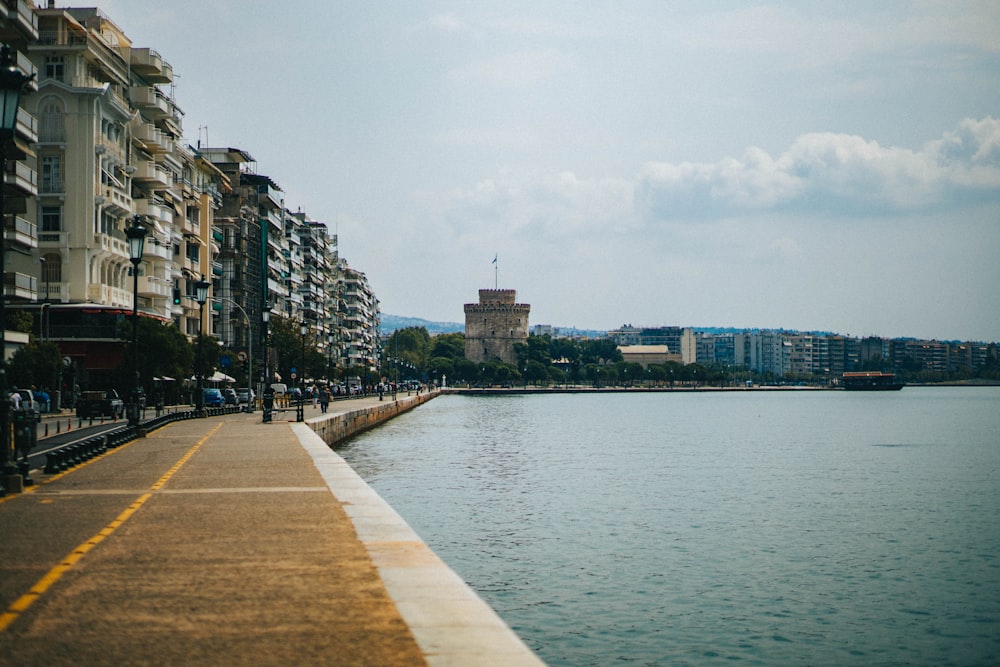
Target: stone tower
[{"x": 494, "y": 325}]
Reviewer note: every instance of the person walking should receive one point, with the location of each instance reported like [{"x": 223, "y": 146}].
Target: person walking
[{"x": 324, "y": 399}]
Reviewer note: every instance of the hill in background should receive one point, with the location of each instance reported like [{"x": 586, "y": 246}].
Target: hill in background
[{"x": 391, "y": 323}]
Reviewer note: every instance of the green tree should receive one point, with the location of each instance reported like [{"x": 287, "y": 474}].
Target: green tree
[
  {"x": 37, "y": 364},
  {"x": 448, "y": 346},
  {"x": 536, "y": 372}
]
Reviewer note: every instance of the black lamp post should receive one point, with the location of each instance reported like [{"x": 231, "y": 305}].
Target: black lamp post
[
  {"x": 12, "y": 82},
  {"x": 300, "y": 408},
  {"x": 265, "y": 316},
  {"x": 136, "y": 235},
  {"x": 201, "y": 296}
]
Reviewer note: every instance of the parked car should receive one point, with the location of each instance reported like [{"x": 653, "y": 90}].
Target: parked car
[
  {"x": 100, "y": 404},
  {"x": 229, "y": 396},
  {"x": 213, "y": 398},
  {"x": 28, "y": 400},
  {"x": 245, "y": 395}
]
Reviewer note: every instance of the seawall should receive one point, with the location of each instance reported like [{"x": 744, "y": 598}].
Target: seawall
[
  {"x": 333, "y": 428},
  {"x": 451, "y": 623}
]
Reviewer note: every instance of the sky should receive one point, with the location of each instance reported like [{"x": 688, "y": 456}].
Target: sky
[{"x": 797, "y": 165}]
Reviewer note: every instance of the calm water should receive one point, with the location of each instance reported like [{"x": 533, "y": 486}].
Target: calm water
[{"x": 765, "y": 528}]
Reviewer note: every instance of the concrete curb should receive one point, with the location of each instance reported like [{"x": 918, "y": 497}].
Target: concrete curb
[{"x": 453, "y": 626}]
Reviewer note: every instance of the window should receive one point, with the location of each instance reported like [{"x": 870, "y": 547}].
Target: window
[
  {"x": 52, "y": 121},
  {"x": 52, "y": 268},
  {"x": 52, "y": 173},
  {"x": 55, "y": 67},
  {"x": 52, "y": 219}
]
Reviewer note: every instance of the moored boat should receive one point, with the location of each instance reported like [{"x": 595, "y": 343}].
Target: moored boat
[{"x": 870, "y": 381}]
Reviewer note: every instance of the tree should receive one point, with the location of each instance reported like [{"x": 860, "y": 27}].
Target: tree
[
  {"x": 37, "y": 364},
  {"x": 440, "y": 367},
  {"x": 536, "y": 372},
  {"x": 448, "y": 346}
]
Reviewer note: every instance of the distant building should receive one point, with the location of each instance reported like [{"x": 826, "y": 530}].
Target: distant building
[
  {"x": 680, "y": 340},
  {"x": 494, "y": 325},
  {"x": 644, "y": 355}
]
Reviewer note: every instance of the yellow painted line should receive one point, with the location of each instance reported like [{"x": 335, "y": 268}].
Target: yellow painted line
[
  {"x": 79, "y": 466},
  {"x": 55, "y": 574}
]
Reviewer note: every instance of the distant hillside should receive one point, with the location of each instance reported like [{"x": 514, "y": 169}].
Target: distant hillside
[{"x": 391, "y": 323}]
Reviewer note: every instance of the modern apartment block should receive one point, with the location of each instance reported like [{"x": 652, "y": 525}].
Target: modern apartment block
[
  {"x": 679, "y": 340},
  {"x": 99, "y": 144}
]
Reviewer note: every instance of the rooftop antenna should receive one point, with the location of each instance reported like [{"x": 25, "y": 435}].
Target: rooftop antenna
[{"x": 200, "y": 128}]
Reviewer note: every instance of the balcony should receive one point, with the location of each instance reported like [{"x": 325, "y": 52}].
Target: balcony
[
  {"x": 151, "y": 286},
  {"x": 27, "y": 126},
  {"x": 20, "y": 233},
  {"x": 21, "y": 13},
  {"x": 148, "y": 64},
  {"x": 156, "y": 250},
  {"x": 53, "y": 239},
  {"x": 151, "y": 101},
  {"x": 20, "y": 286},
  {"x": 24, "y": 178},
  {"x": 153, "y": 139},
  {"x": 116, "y": 201},
  {"x": 112, "y": 245},
  {"x": 147, "y": 171},
  {"x": 152, "y": 209}
]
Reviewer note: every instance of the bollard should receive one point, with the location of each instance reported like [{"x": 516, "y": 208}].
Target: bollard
[{"x": 52, "y": 462}]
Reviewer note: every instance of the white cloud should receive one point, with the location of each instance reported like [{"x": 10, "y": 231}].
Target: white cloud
[{"x": 833, "y": 173}]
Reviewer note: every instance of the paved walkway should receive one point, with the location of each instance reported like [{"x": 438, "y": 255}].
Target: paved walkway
[{"x": 216, "y": 541}]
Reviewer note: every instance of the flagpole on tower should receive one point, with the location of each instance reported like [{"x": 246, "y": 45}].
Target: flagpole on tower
[{"x": 496, "y": 273}]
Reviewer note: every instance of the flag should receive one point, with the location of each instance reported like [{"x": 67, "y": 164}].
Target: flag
[{"x": 495, "y": 259}]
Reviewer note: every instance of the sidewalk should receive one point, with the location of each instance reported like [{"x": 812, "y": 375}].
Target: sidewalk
[{"x": 228, "y": 541}]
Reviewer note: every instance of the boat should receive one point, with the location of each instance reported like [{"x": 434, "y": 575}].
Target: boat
[{"x": 870, "y": 381}]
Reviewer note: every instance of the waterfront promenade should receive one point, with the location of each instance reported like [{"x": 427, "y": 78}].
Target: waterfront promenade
[{"x": 228, "y": 541}]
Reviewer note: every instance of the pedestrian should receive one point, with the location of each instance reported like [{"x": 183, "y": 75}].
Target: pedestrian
[
  {"x": 324, "y": 399},
  {"x": 315, "y": 395}
]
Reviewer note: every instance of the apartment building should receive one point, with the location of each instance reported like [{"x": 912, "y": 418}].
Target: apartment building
[
  {"x": 359, "y": 319},
  {"x": 99, "y": 145},
  {"x": 18, "y": 31}
]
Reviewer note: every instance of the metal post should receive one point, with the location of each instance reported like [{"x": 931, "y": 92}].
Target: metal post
[
  {"x": 6, "y": 463},
  {"x": 300, "y": 408}
]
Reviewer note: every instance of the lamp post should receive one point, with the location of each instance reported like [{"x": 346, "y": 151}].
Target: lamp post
[
  {"x": 265, "y": 316},
  {"x": 201, "y": 296},
  {"x": 249, "y": 339},
  {"x": 300, "y": 408},
  {"x": 266, "y": 393},
  {"x": 136, "y": 235},
  {"x": 12, "y": 82}
]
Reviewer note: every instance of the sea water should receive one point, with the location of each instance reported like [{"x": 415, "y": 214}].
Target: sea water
[{"x": 803, "y": 527}]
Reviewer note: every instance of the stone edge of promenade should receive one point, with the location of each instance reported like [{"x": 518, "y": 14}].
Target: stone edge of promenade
[{"x": 451, "y": 623}]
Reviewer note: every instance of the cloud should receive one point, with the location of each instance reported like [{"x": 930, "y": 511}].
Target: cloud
[
  {"x": 833, "y": 174},
  {"x": 518, "y": 69}
]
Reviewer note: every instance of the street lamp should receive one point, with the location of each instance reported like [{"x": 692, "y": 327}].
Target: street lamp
[
  {"x": 266, "y": 317},
  {"x": 136, "y": 235},
  {"x": 300, "y": 408},
  {"x": 12, "y": 82},
  {"x": 201, "y": 296}
]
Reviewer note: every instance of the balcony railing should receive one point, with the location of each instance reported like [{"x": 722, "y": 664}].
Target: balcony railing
[
  {"x": 21, "y": 232},
  {"x": 20, "y": 286}
]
